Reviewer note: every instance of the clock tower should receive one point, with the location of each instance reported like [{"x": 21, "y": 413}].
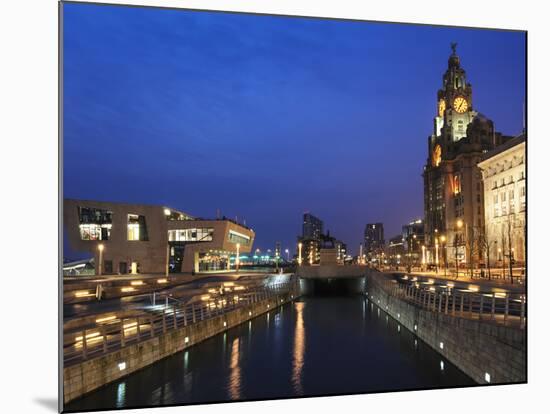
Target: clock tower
[
  {"x": 454, "y": 111},
  {"x": 452, "y": 180}
]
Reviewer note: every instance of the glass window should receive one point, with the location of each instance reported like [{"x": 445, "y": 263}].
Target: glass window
[
  {"x": 236, "y": 237},
  {"x": 191, "y": 235},
  {"x": 94, "y": 215},
  {"x": 95, "y": 231},
  {"x": 95, "y": 223},
  {"x": 137, "y": 229}
]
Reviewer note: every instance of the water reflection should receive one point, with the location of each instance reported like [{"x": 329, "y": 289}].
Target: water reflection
[
  {"x": 346, "y": 351},
  {"x": 299, "y": 348},
  {"x": 121, "y": 395},
  {"x": 185, "y": 361},
  {"x": 235, "y": 372}
]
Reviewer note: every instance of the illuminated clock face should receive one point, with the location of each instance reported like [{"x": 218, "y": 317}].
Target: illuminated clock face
[
  {"x": 460, "y": 104},
  {"x": 441, "y": 107},
  {"x": 436, "y": 156}
]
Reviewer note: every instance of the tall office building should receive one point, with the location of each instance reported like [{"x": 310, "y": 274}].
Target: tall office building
[
  {"x": 413, "y": 239},
  {"x": 374, "y": 238},
  {"x": 312, "y": 227}
]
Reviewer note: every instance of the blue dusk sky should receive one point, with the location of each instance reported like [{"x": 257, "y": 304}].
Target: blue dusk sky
[{"x": 266, "y": 117}]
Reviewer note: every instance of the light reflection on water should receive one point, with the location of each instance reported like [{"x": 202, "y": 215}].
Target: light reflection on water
[
  {"x": 235, "y": 374},
  {"x": 121, "y": 395},
  {"x": 315, "y": 346},
  {"x": 299, "y": 349}
]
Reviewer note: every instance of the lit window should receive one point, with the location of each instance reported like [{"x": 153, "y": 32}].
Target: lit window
[
  {"x": 95, "y": 231},
  {"x": 456, "y": 184},
  {"x": 236, "y": 237},
  {"x": 95, "y": 223},
  {"x": 137, "y": 229},
  {"x": 191, "y": 235}
]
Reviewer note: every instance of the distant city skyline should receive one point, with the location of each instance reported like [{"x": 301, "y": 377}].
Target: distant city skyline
[{"x": 265, "y": 118}]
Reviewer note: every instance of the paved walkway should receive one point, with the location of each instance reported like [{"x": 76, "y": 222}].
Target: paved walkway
[{"x": 518, "y": 285}]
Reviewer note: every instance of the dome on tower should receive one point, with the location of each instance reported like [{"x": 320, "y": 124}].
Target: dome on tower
[{"x": 454, "y": 60}]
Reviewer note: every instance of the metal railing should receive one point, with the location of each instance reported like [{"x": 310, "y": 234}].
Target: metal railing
[
  {"x": 112, "y": 333},
  {"x": 500, "y": 308}
]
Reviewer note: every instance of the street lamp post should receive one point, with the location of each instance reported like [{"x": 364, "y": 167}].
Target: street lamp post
[
  {"x": 237, "y": 258},
  {"x": 444, "y": 251},
  {"x": 423, "y": 257},
  {"x": 413, "y": 248},
  {"x": 436, "y": 256},
  {"x": 100, "y": 247},
  {"x": 459, "y": 224},
  {"x": 167, "y": 270}
]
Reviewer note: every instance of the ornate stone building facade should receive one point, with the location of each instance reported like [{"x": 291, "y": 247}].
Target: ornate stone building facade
[
  {"x": 453, "y": 194},
  {"x": 504, "y": 183}
]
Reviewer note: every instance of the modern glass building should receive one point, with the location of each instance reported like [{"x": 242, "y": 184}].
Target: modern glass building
[{"x": 137, "y": 238}]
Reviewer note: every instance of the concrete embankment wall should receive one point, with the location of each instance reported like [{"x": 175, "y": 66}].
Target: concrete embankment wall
[
  {"x": 475, "y": 347},
  {"x": 87, "y": 376}
]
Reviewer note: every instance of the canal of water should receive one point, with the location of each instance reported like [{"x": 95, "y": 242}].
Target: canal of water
[{"x": 317, "y": 345}]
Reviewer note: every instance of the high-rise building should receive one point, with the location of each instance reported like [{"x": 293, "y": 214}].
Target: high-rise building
[
  {"x": 413, "y": 240},
  {"x": 374, "y": 238},
  {"x": 453, "y": 194},
  {"x": 312, "y": 227}
]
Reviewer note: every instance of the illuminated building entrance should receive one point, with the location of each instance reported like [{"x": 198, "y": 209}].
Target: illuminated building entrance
[{"x": 213, "y": 261}]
